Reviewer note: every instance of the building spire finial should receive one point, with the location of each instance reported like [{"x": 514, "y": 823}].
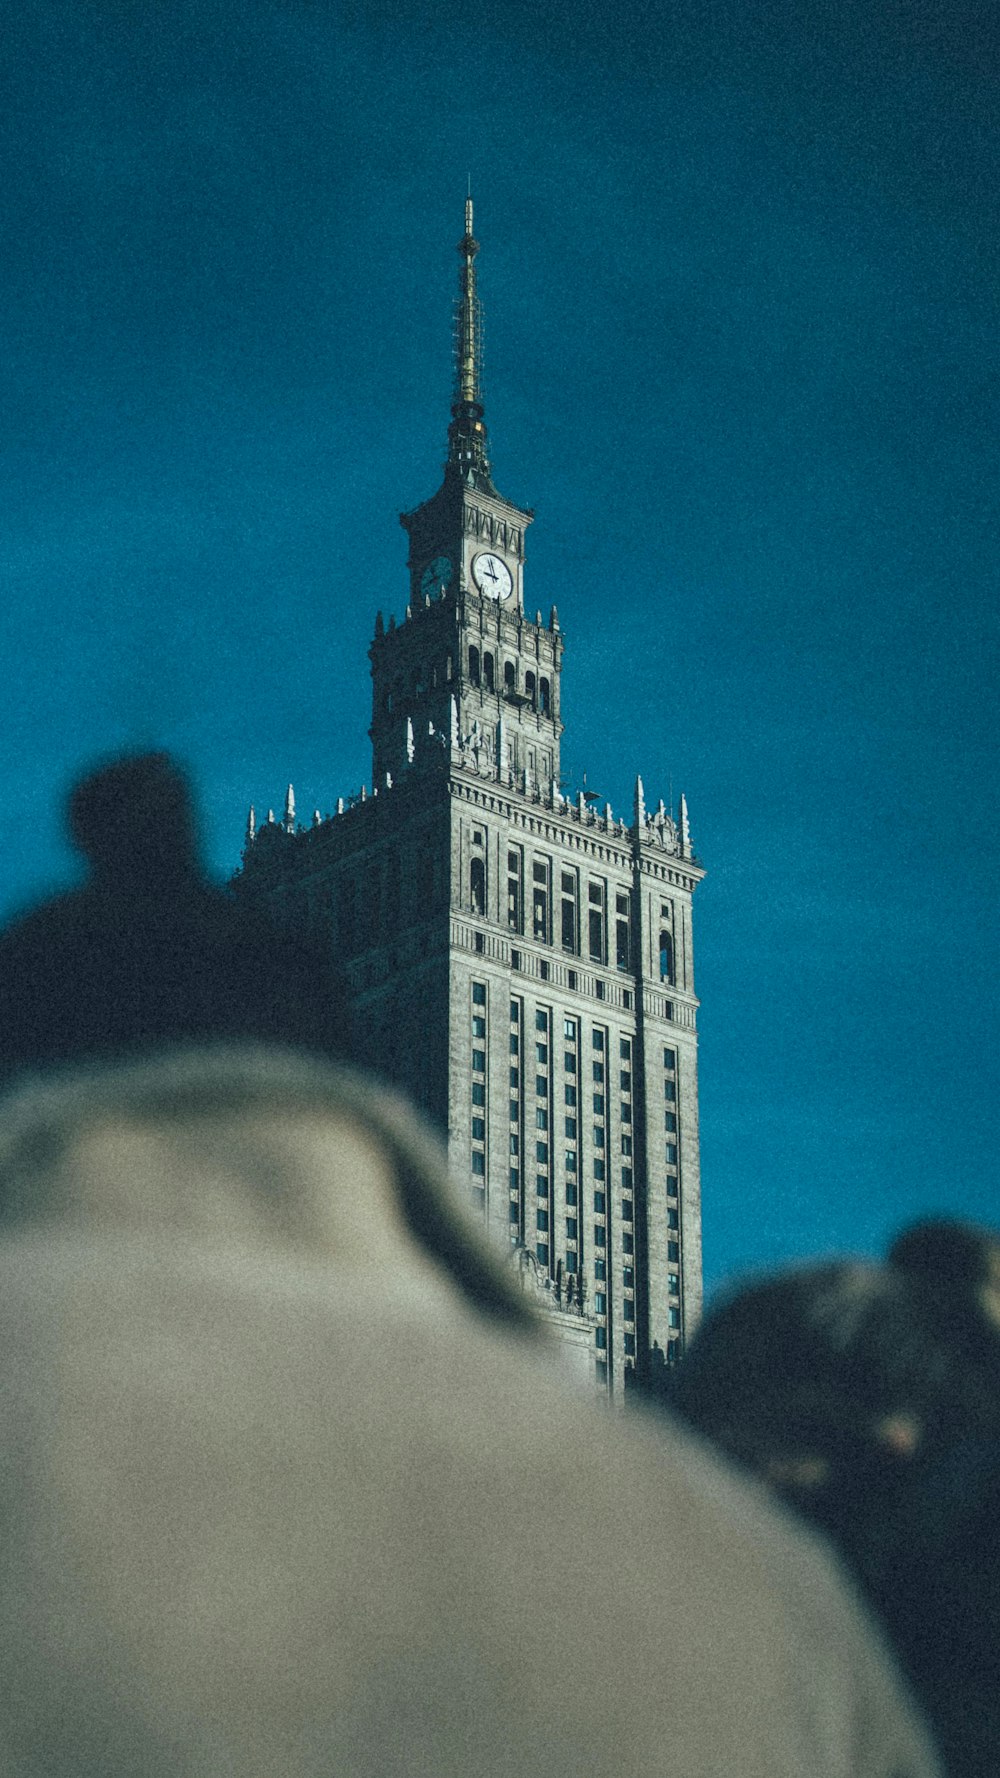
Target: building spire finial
[{"x": 467, "y": 432}]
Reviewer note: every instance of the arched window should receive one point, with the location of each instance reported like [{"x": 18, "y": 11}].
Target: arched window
[
  {"x": 489, "y": 672},
  {"x": 474, "y": 666},
  {"x": 529, "y": 686},
  {"x": 543, "y": 696},
  {"x": 478, "y": 886},
  {"x": 666, "y": 957},
  {"x": 509, "y": 676}
]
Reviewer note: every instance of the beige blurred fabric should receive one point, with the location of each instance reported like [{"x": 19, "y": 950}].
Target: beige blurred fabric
[{"x": 277, "y": 1499}]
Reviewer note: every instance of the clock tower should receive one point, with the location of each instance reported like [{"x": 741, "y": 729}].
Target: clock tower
[
  {"x": 519, "y": 960},
  {"x": 469, "y": 660}
]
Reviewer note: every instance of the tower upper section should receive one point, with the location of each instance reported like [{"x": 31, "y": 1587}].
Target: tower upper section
[{"x": 468, "y": 656}]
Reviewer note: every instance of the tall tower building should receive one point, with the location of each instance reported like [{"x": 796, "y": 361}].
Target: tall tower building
[{"x": 520, "y": 960}]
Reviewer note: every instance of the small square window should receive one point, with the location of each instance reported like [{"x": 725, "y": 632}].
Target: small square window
[
  {"x": 541, "y": 1021},
  {"x": 628, "y": 1244},
  {"x": 674, "y": 1251},
  {"x": 479, "y": 1061},
  {"x": 478, "y": 1093},
  {"x": 479, "y": 993},
  {"x": 600, "y": 1204},
  {"x": 478, "y": 1161},
  {"x": 478, "y": 1025},
  {"x": 479, "y": 1129}
]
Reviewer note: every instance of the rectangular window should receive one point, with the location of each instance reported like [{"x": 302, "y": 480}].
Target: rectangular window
[
  {"x": 515, "y": 959},
  {"x": 628, "y": 1245},
  {"x": 670, "y": 1059},
  {"x": 542, "y": 1252},
  {"x": 571, "y": 1191},
  {"x": 569, "y": 1060},
  {"x": 598, "y": 1104},
  {"x": 515, "y": 1142},
  {"x": 601, "y": 1339},
  {"x": 479, "y": 1061},
  {"x": 625, "y": 1048},
  {"x": 671, "y": 1186},
  {"x": 600, "y": 1204},
  {"x": 478, "y": 1025},
  {"x": 626, "y": 1210},
  {"x": 626, "y": 1179},
  {"x": 569, "y": 1030},
  {"x": 479, "y": 993},
  {"x": 478, "y": 1093},
  {"x": 514, "y": 1179},
  {"x": 542, "y": 1054},
  {"x": 600, "y": 1238},
  {"x": 515, "y": 1078},
  {"x": 670, "y": 1091},
  {"x": 625, "y": 1081},
  {"x": 630, "y": 1345},
  {"x": 571, "y": 1262},
  {"x": 570, "y": 1129},
  {"x": 542, "y": 1152},
  {"x": 674, "y": 1284},
  {"x": 674, "y": 1251},
  {"x": 673, "y": 1220},
  {"x": 541, "y": 1021},
  {"x": 542, "y": 1220},
  {"x": 571, "y": 979},
  {"x": 673, "y": 1317},
  {"x": 479, "y": 1129},
  {"x": 628, "y": 1277},
  {"x": 543, "y": 970},
  {"x": 629, "y": 1309},
  {"x": 571, "y": 1228},
  {"x": 597, "y": 1040},
  {"x": 570, "y": 1092},
  {"x": 670, "y": 1120},
  {"x": 541, "y": 1086},
  {"x": 515, "y": 1043},
  {"x": 671, "y": 1153},
  {"x": 541, "y": 1118},
  {"x": 478, "y": 1161},
  {"x": 540, "y": 916},
  {"x": 599, "y": 1168},
  {"x": 595, "y": 903},
  {"x": 626, "y": 1112},
  {"x": 626, "y": 1143},
  {"x": 598, "y": 1072},
  {"x": 600, "y": 1270},
  {"x": 568, "y": 911},
  {"x": 600, "y": 1302},
  {"x": 515, "y": 869},
  {"x": 541, "y": 1185},
  {"x": 571, "y": 1160},
  {"x": 513, "y": 1213}
]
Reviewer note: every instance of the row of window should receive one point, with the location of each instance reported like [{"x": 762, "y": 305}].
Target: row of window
[
  {"x": 547, "y": 908},
  {"x": 483, "y": 672}
]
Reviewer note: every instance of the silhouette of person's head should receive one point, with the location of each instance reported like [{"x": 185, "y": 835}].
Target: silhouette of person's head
[{"x": 148, "y": 952}]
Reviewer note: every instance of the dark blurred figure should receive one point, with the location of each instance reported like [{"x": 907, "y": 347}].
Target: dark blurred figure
[
  {"x": 868, "y": 1397},
  {"x": 148, "y": 952}
]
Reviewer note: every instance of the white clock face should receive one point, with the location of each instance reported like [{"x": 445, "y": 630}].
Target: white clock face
[{"x": 492, "y": 576}]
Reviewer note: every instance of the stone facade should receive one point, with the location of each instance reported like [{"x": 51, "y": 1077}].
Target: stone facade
[{"x": 519, "y": 961}]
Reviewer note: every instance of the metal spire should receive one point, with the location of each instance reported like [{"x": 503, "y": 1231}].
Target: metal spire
[{"x": 467, "y": 432}]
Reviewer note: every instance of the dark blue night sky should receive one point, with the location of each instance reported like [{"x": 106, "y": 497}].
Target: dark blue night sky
[{"x": 741, "y": 284}]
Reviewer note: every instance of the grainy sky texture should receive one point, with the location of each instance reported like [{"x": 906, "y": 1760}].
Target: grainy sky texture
[{"x": 741, "y": 283}]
